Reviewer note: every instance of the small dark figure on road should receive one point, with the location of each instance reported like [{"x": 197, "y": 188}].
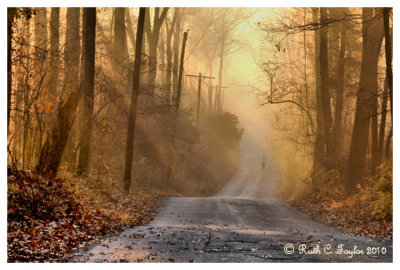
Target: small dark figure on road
[{"x": 263, "y": 161}]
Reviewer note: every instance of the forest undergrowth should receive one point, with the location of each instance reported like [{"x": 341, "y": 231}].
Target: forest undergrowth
[
  {"x": 48, "y": 219},
  {"x": 368, "y": 212},
  {"x": 51, "y": 218}
]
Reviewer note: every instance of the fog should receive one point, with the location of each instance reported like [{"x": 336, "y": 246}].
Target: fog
[
  {"x": 215, "y": 124},
  {"x": 261, "y": 75}
]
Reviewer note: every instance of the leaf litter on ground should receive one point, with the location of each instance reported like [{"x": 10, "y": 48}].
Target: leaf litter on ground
[{"x": 49, "y": 219}]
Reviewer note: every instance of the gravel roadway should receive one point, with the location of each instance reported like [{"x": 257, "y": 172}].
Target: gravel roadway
[{"x": 244, "y": 222}]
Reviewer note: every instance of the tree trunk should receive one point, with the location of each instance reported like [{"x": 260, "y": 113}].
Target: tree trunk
[
  {"x": 178, "y": 94},
  {"x": 41, "y": 34},
  {"x": 218, "y": 101},
  {"x": 134, "y": 98},
  {"x": 152, "y": 37},
  {"x": 151, "y": 79},
  {"x": 374, "y": 133},
  {"x": 72, "y": 50},
  {"x": 388, "y": 54},
  {"x": 22, "y": 89},
  {"x": 120, "y": 45},
  {"x": 372, "y": 39},
  {"x": 26, "y": 106},
  {"x": 72, "y": 76},
  {"x": 337, "y": 125},
  {"x": 40, "y": 81},
  {"x": 161, "y": 79},
  {"x": 326, "y": 106},
  {"x": 168, "y": 71},
  {"x": 10, "y": 20},
  {"x": 177, "y": 102},
  {"x": 383, "y": 121},
  {"x": 175, "y": 72},
  {"x": 388, "y": 144},
  {"x": 89, "y": 37},
  {"x": 319, "y": 147},
  {"x": 54, "y": 51},
  {"x": 129, "y": 29},
  {"x": 389, "y": 72}
]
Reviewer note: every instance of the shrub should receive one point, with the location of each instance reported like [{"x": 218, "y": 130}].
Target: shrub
[
  {"x": 224, "y": 126},
  {"x": 33, "y": 196},
  {"x": 384, "y": 187}
]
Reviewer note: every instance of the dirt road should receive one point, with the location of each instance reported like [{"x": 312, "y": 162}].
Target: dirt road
[{"x": 244, "y": 222}]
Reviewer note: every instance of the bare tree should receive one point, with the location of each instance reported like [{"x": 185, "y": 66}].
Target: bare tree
[
  {"x": 326, "y": 106},
  {"x": 153, "y": 34},
  {"x": 337, "y": 124},
  {"x": 319, "y": 148},
  {"x": 372, "y": 28},
  {"x": 134, "y": 99},
  {"x": 89, "y": 37},
  {"x": 55, "y": 144}
]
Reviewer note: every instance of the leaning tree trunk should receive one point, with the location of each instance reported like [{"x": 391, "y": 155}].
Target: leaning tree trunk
[
  {"x": 89, "y": 36},
  {"x": 372, "y": 39},
  {"x": 54, "y": 146}
]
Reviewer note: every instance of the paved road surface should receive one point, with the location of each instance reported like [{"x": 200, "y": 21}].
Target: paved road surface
[{"x": 244, "y": 222}]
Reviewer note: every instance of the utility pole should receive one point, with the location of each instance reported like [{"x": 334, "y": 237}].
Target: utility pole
[{"x": 199, "y": 77}]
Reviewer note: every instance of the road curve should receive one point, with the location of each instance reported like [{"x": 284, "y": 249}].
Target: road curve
[{"x": 244, "y": 222}]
